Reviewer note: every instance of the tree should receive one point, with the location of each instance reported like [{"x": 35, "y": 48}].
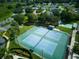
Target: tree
[
  {"x": 41, "y": 19},
  {"x": 2, "y": 1},
  {"x": 28, "y": 10},
  {"x": 56, "y": 12},
  {"x": 76, "y": 48},
  {"x": 19, "y": 18},
  {"x": 55, "y": 20},
  {"x": 76, "y": 17},
  {"x": 18, "y": 5},
  {"x": 14, "y": 30},
  {"x": 10, "y": 7},
  {"x": 77, "y": 4},
  {"x": 32, "y": 18},
  {"x": 46, "y": 19},
  {"x": 2, "y": 52},
  {"x": 18, "y": 8},
  {"x": 8, "y": 57},
  {"x": 66, "y": 16}
]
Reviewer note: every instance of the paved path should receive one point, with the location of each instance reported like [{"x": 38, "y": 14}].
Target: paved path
[
  {"x": 8, "y": 43},
  {"x": 73, "y": 39},
  {"x": 72, "y": 43},
  {"x": 75, "y": 56}
]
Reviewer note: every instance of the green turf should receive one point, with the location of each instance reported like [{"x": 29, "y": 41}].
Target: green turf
[
  {"x": 77, "y": 38},
  {"x": 67, "y": 30},
  {"x": 24, "y": 29}
]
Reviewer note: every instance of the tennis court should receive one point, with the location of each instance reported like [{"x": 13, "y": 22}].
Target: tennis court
[{"x": 49, "y": 44}]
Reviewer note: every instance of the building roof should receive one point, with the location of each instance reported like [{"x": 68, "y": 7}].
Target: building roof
[
  {"x": 5, "y": 28},
  {"x": 50, "y": 44},
  {"x": 2, "y": 40}
]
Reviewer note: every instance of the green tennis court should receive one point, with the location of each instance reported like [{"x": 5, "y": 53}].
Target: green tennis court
[{"x": 49, "y": 44}]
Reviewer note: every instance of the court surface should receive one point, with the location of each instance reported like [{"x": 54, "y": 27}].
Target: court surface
[{"x": 49, "y": 44}]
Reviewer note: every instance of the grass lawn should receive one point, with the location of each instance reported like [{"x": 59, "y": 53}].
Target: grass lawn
[
  {"x": 13, "y": 45},
  {"x": 64, "y": 29},
  {"x": 76, "y": 48},
  {"x": 76, "y": 45},
  {"x": 77, "y": 38},
  {"x": 24, "y": 29}
]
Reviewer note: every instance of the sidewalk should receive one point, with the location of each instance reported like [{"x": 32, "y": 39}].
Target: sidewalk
[{"x": 72, "y": 44}]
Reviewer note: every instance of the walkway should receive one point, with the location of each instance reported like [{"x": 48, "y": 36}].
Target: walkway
[
  {"x": 72, "y": 44},
  {"x": 8, "y": 43},
  {"x": 73, "y": 39}
]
